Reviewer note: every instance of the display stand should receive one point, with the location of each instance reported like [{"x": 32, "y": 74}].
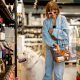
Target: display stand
[{"x": 11, "y": 71}]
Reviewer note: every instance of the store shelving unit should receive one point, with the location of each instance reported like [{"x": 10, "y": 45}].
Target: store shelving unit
[
  {"x": 8, "y": 19},
  {"x": 33, "y": 29},
  {"x": 33, "y": 36}
]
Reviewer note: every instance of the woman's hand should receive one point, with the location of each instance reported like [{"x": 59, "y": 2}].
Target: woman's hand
[
  {"x": 57, "y": 48},
  {"x": 51, "y": 30}
]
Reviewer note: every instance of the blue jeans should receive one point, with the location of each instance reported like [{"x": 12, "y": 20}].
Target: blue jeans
[{"x": 51, "y": 66}]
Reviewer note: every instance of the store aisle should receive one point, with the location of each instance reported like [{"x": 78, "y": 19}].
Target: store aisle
[{"x": 69, "y": 74}]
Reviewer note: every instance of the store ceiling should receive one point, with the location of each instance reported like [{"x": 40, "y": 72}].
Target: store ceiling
[
  {"x": 42, "y": 2},
  {"x": 66, "y": 1},
  {"x": 9, "y": 1}
]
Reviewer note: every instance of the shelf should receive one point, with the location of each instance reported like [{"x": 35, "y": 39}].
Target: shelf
[
  {"x": 33, "y": 44},
  {"x": 33, "y": 39},
  {"x": 32, "y": 33},
  {"x": 5, "y": 13},
  {"x": 33, "y": 26}
]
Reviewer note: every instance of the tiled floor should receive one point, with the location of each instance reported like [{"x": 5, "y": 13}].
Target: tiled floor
[{"x": 69, "y": 74}]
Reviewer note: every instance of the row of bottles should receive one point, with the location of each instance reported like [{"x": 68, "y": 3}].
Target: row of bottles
[
  {"x": 4, "y": 59},
  {"x": 33, "y": 37},
  {"x": 2, "y": 29},
  {"x": 2, "y": 66},
  {"x": 6, "y": 20},
  {"x": 10, "y": 75},
  {"x": 28, "y": 35},
  {"x": 33, "y": 32}
]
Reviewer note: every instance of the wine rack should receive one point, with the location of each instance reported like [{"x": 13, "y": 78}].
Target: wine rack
[{"x": 33, "y": 37}]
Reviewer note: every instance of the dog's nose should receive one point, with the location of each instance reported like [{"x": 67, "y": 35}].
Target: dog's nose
[{"x": 22, "y": 60}]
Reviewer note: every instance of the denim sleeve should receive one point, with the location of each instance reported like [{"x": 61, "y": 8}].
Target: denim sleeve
[
  {"x": 64, "y": 24},
  {"x": 46, "y": 36},
  {"x": 59, "y": 34},
  {"x": 63, "y": 33},
  {"x": 65, "y": 28}
]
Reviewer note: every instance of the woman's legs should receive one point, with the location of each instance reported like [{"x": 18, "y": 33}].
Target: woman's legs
[
  {"x": 58, "y": 70},
  {"x": 48, "y": 66},
  {"x": 51, "y": 66}
]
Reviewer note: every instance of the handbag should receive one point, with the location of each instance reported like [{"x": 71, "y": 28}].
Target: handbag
[{"x": 63, "y": 55}]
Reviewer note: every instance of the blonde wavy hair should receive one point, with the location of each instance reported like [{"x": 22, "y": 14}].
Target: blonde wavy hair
[{"x": 51, "y": 6}]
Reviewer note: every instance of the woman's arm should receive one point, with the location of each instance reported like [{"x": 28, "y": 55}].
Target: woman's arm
[
  {"x": 47, "y": 38},
  {"x": 63, "y": 33},
  {"x": 65, "y": 28},
  {"x": 58, "y": 34}
]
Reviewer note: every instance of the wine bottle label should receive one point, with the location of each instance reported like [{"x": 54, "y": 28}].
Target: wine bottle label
[
  {"x": 1, "y": 20},
  {"x": 2, "y": 36}
]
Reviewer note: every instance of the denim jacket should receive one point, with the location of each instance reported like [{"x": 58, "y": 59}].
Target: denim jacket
[{"x": 61, "y": 32}]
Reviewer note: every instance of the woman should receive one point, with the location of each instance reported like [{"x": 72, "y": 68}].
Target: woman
[{"x": 53, "y": 20}]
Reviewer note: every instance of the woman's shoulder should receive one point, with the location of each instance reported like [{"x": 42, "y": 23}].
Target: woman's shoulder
[
  {"x": 63, "y": 17},
  {"x": 47, "y": 20}
]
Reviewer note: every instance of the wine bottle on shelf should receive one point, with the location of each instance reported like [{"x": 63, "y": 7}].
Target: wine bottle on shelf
[
  {"x": 1, "y": 20},
  {"x": 2, "y": 66},
  {"x": 2, "y": 31}
]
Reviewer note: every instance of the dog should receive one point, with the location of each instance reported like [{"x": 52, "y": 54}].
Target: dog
[{"x": 33, "y": 63}]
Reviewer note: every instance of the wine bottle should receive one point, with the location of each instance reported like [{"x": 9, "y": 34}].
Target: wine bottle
[{"x": 2, "y": 31}]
